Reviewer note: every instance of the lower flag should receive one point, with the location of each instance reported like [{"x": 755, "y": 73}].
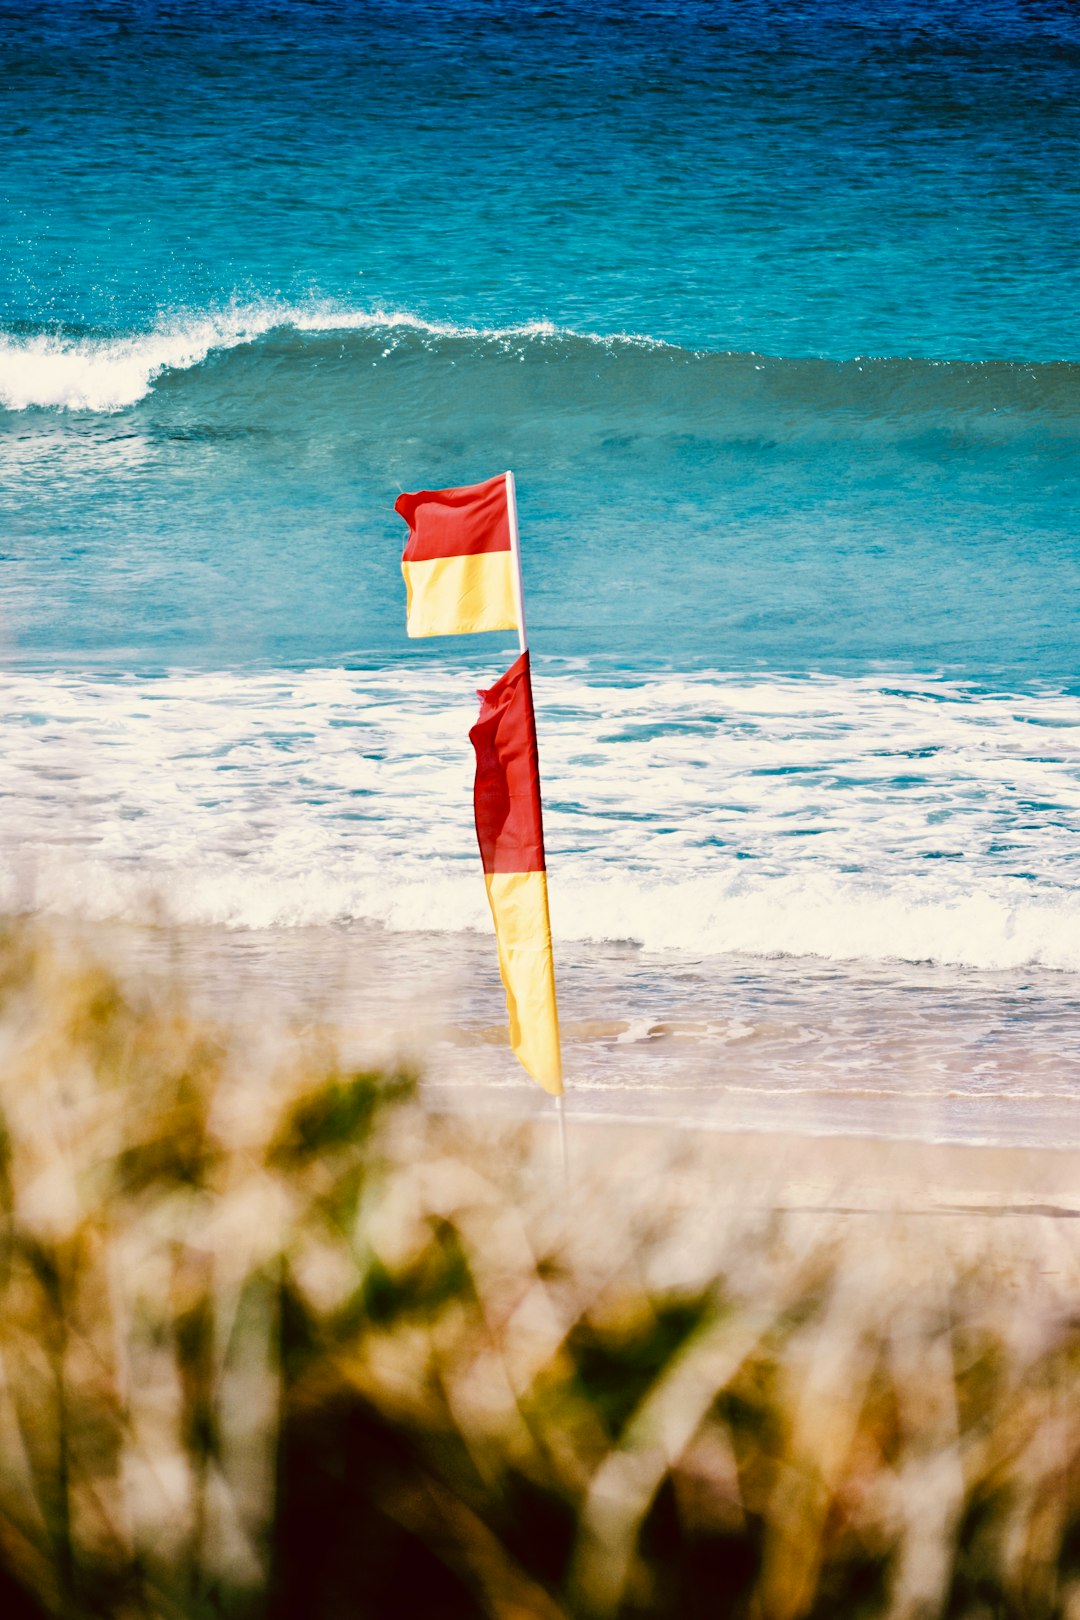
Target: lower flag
[{"x": 509, "y": 828}]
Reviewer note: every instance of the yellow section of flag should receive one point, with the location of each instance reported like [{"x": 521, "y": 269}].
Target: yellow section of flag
[
  {"x": 456, "y": 596},
  {"x": 519, "y": 906}
]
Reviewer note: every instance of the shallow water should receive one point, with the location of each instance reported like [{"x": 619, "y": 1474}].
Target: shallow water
[{"x": 730, "y": 1043}]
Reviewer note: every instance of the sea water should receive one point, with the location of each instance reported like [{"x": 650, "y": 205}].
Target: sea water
[{"x": 772, "y": 309}]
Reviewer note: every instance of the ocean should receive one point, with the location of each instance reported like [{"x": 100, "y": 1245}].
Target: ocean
[{"x": 772, "y": 310}]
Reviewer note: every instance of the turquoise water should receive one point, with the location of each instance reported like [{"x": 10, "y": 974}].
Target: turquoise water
[{"x": 771, "y": 308}]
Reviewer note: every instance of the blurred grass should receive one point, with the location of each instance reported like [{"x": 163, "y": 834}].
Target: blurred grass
[{"x": 277, "y": 1341}]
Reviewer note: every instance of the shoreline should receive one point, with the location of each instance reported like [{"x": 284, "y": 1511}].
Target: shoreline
[{"x": 732, "y": 1047}]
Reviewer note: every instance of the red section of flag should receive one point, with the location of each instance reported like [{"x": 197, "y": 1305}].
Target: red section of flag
[
  {"x": 455, "y": 522},
  {"x": 506, "y": 797}
]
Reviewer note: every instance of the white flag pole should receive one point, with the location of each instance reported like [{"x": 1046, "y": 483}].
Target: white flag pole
[
  {"x": 515, "y": 547},
  {"x": 523, "y": 643}
]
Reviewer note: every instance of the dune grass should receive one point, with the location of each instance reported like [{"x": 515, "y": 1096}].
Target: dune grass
[{"x": 277, "y": 1340}]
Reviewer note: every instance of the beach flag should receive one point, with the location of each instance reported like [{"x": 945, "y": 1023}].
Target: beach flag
[
  {"x": 462, "y": 574},
  {"x": 459, "y": 565},
  {"x": 509, "y": 829}
]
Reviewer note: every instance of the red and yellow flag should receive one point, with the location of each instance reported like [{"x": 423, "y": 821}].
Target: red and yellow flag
[
  {"x": 461, "y": 574},
  {"x": 509, "y": 828},
  {"x": 460, "y": 571}
]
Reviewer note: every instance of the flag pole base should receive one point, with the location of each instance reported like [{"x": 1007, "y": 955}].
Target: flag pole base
[{"x": 560, "y": 1110}]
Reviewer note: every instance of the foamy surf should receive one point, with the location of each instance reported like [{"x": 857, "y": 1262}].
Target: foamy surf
[{"x": 827, "y": 818}]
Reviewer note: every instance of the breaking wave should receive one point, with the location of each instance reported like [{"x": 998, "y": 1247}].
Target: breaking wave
[
  {"x": 95, "y": 372},
  {"x": 89, "y": 372}
]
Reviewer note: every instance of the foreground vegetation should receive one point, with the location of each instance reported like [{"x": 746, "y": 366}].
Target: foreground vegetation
[{"x": 276, "y": 1341}]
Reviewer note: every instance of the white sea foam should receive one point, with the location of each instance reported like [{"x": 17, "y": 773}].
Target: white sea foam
[
  {"x": 107, "y": 373},
  {"x": 823, "y": 817}
]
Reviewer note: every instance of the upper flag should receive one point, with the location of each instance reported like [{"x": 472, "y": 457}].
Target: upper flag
[
  {"x": 460, "y": 571},
  {"x": 509, "y": 829}
]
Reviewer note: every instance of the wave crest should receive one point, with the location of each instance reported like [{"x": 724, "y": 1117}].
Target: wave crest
[
  {"x": 93, "y": 372},
  {"x": 745, "y": 394}
]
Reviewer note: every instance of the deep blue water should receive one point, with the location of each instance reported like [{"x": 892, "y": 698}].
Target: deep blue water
[{"x": 796, "y": 178}]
